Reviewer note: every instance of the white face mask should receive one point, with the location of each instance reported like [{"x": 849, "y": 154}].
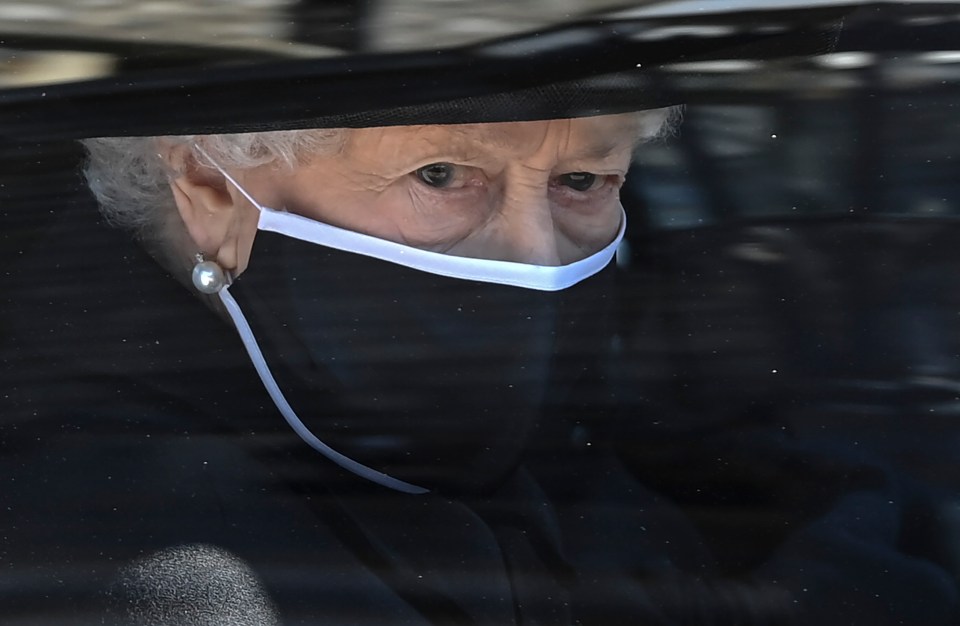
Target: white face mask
[{"x": 513, "y": 274}]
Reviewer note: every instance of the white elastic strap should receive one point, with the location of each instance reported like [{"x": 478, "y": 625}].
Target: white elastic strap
[
  {"x": 256, "y": 356},
  {"x": 538, "y": 277}
]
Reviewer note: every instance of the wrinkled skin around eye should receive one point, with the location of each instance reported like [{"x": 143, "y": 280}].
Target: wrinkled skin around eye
[{"x": 537, "y": 192}]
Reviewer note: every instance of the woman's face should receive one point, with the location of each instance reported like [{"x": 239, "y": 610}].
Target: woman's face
[{"x": 535, "y": 192}]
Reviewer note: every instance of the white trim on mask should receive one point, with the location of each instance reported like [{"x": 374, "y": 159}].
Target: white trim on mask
[{"x": 525, "y": 275}]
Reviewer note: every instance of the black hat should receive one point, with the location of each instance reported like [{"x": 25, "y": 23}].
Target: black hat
[{"x": 337, "y": 68}]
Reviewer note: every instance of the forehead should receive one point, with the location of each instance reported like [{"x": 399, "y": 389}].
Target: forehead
[{"x": 580, "y": 137}]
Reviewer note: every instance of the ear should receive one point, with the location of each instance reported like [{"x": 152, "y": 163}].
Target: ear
[{"x": 220, "y": 220}]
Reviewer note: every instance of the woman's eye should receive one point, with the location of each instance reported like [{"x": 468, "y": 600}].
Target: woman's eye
[
  {"x": 439, "y": 175},
  {"x": 580, "y": 181}
]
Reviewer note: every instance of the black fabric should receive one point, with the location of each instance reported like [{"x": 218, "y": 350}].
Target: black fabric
[
  {"x": 433, "y": 380},
  {"x": 132, "y": 422}
]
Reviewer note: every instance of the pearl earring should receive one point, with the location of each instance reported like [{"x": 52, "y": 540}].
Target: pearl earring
[{"x": 208, "y": 277}]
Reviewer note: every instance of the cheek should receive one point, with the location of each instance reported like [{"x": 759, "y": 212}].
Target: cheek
[
  {"x": 248, "y": 232},
  {"x": 330, "y": 193},
  {"x": 433, "y": 219}
]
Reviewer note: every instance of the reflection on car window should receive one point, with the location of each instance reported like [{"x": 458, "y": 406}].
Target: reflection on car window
[{"x": 614, "y": 315}]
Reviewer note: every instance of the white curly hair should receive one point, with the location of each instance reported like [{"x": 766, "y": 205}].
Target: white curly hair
[{"x": 131, "y": 178}]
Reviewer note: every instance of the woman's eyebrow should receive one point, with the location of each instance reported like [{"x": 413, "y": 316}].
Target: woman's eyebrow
[
  {"x": 599, "y": 149},
  {"x": 602, "y": 149},
  {"x": 419, "y": 153}
]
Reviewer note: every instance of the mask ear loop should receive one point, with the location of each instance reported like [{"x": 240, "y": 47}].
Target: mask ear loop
[{"x": 273, "y": 389}]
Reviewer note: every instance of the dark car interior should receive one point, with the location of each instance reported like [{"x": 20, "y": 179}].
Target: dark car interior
[{"x": 780, "y": 377}]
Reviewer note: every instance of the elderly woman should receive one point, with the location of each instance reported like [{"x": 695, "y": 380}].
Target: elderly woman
[
  {"x": 541, "y": 193},
  {"x": 431, "y": 311},
  {"x": 406, "y": 309},
  {"x": 427, "y": 307}
]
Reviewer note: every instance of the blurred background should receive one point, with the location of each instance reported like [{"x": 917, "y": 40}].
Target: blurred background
[{"x": 64, "y": 41}]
